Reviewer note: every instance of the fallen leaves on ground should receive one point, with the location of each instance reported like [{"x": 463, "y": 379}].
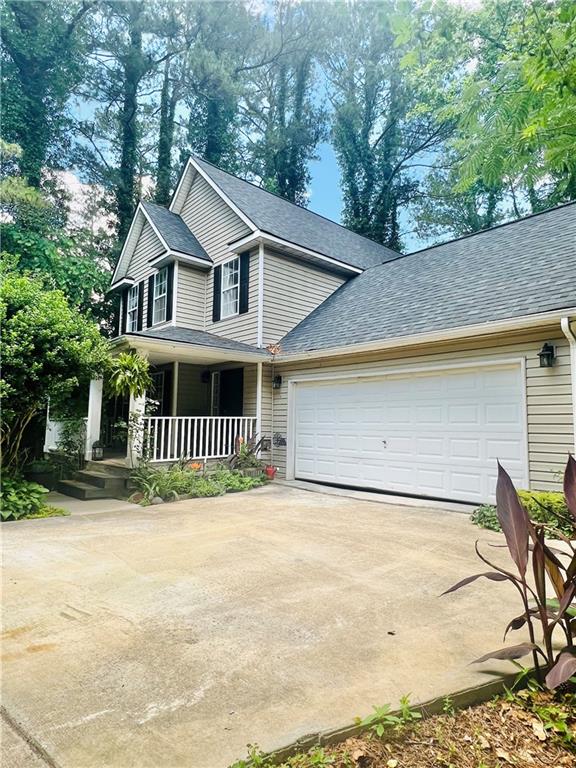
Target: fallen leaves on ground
[{"x": 493, "y": 735}]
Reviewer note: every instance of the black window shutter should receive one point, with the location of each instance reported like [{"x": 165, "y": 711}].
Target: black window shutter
[
  {"x": 217, "y": 298},
  {"x": 124, "y": 310},
  {"x": 140, "y": 305},
  {"x": 244, "y": 282},
  {"x": 169, "y": 291},
  {"x": 116, "y": 315},
  {"x": 150, "y": 312}
]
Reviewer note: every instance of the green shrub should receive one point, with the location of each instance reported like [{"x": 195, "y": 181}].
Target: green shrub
[
  {"x": 486, "y": 517},
  {"x": 547, "y": 507},
  {"x": 234, "y": 481},
  {"x": 20, "y": 498},
  {"x": 173, "y": 482}
]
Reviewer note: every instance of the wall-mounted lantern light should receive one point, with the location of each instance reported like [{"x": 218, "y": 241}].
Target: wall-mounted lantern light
[
  {"x": 276, "y": 382},
  {"x": 547, "y": 356}
]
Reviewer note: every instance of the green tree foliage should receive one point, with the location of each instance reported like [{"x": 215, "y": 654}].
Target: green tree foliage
[
  {"x": 382, "y": 127},
  {"x": 43, "y": 44},
  {"x": 32, "y": 233},
  {"x": 517, "y": 115},
  {"x": 48, "y": 351}
]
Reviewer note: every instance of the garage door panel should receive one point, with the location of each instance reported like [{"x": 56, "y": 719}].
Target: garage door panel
[{"x": 436, "y": 434}]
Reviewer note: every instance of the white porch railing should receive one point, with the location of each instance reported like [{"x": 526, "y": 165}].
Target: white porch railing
[{"x": 170, "y": 438}]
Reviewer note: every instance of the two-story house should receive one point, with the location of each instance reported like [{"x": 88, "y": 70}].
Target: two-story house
[{"x": 360, "y": 366}]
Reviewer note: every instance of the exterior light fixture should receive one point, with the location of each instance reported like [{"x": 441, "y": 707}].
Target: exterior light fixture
[
  {"x": 547, "y": 356},
  {"x": 97, "y": 451},
  {"x": 276, "y": 382}
]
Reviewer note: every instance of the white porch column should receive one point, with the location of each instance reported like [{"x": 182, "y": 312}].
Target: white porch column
[
  {"x": 94, "y": 416},
  {"x": 259, "y": 400},
  {"x": 135, "y": 432}
]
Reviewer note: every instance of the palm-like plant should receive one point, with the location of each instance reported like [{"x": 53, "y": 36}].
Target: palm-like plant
[
  {"x": 129, "y": 375},
  {"x": 551, "y": 568}
]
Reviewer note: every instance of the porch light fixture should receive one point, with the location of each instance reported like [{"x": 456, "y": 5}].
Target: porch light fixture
[
  {"x": 97, "y": 451},
  {"x": 547, "y": 356},
  {"x": 277, "y": 382}
]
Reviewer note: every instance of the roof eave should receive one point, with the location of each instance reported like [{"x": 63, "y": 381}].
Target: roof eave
[
  {"x": 451, "y": 334},
  {"x": 255, "y": 238},
  {"x": 215, "y": 354}
]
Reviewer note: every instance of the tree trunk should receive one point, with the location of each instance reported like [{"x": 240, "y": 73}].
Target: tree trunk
[{"x": 168, "y": 103}]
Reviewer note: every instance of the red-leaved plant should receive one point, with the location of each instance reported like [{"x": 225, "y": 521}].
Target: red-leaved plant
[{"x": 529, "y": 549}]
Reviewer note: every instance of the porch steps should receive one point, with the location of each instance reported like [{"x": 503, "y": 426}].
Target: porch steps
[
  {"x": 82, "y": 491},
  {"x": 96, "y": 483}
]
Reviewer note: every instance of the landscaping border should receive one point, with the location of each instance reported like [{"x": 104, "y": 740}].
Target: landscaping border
[{"x": 467, "y": 697}]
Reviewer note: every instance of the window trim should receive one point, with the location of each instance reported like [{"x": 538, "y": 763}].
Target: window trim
[
  {"x": 156, "y": 297},
  {"x": 222, "y": 289},
  {"x": 132, "y": 321}
]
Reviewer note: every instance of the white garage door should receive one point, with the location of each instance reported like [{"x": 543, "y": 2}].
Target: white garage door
[{"x": 429, "y": 434}]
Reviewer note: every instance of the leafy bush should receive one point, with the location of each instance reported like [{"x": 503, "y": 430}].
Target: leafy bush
[
  {"x": 246, "y": 454},
  {"x": 486, "y": 517},
  {"x": 179, "y": 480},
  {"x": 538, "y": 569},
  {"x": 20, "y": 498},
  {"x": 547, "y": 508},
  {"x": 234, "y": 481}
]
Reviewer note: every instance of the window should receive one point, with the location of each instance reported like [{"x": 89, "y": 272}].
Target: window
[
  {"x": 132, "y": 310},
  {"x": 160, "y": 296},
  {"x": 230, "y": 287}
]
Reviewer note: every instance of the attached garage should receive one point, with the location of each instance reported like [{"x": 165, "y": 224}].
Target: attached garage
[{"x": 435, "y": 433}]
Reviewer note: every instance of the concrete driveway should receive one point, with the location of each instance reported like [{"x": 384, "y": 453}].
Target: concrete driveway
[{"x": 174, "y": 635}]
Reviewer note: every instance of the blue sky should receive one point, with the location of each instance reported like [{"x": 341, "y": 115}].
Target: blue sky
[{"x": 325, "y": 195}]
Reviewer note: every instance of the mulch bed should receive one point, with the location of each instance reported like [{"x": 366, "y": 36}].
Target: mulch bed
[{"x": 494, "y": 735}]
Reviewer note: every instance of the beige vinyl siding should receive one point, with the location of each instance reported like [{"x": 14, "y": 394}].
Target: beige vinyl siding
[
  {"x": 548, "y": 390},
  {"x": 191, "y": 297},
  {"x": 216, "y": 225},
  {"x": 147, "y": 247},
  {"x": 292, "y": 289},
  {"x": 193, "y": 395}
]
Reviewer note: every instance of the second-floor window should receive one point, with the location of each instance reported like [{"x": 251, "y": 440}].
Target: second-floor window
[
  {"x": 160, "y": 296},
  {"x": 132, "y": 310},
  {"x": 230, "y": 287}
]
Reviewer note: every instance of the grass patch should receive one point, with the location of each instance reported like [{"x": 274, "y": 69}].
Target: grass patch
[{"x": 47, "y": 511}]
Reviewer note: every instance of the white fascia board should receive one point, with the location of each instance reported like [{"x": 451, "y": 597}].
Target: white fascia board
[
  {"x": 258, "y": 237},
  {"x": 192, "y": 163},
  {"x": 187, "y": 351},
  {"x": 185, "y": 258},
  {"x": 125, "y": 246},
  {"x": 124, "y": 282},
  {"x": 154, "y": 227},
  {"x": 451, "y": 334}
]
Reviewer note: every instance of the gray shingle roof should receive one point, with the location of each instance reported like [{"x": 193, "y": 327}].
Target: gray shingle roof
[
  {"x": 175, "y": 232},
  {"x": 276, "y": 216},
  {"x": 199, "y": 338},
  {"x": 516, "y": 269}
]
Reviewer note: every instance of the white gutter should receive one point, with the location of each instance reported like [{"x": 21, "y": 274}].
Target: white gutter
[
  {"x": 258, "y": 237},
  {"x": 461, "y": 332},
  {"x": 260, "y": 314},
  {"x": 569, "y": 333},
  {"x": 189, "y": 351}
]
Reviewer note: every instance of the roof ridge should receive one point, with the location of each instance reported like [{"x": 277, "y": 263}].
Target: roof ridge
[{"x": 296, "y": 205}]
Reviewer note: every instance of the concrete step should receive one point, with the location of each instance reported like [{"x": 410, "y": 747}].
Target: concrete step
[
  {"x": 113, "y": 467},
  {"x": 82, "y": 490},
  {"x": 112, "y": 482}
]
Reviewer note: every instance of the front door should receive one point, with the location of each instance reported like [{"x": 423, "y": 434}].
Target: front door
[{"x": 231, "y": 396}]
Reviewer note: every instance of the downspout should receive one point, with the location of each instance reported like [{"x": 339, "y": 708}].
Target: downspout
[
  {"x": 260, "y": 311},
  {"x": 569, "y": 333}
]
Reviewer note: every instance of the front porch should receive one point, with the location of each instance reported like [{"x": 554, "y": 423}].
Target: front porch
[{"x": 202, "y": 401}]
